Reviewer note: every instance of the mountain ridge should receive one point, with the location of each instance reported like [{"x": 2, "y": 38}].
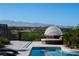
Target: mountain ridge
[
  {"x": 22, "y": 23},
  {"x": 28, "y": 24}
]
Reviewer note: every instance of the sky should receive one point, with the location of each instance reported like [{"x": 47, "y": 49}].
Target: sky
[{"x": 48, "y": 13}]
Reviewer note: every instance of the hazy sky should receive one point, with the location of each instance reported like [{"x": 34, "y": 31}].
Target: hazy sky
[{"x": 58, "y": 14}]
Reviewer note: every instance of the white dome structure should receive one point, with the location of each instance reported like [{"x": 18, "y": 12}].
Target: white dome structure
[
  {"x": 52, "y": 35},
  {"x": 52, "y": 31}
]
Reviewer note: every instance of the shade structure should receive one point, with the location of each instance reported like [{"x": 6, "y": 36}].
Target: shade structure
[
  {"x": 52, "y": 31},
  {"x": 52, "y": 35}
]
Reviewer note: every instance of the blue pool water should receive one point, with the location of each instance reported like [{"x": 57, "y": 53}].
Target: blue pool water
[{"x": 50, "y": 51}]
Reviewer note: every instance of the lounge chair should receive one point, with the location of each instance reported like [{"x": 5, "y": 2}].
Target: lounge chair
[{"x": 8, "y": 52}]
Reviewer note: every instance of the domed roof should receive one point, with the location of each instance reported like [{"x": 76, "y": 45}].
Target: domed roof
[{"x": 53, "y": 30}]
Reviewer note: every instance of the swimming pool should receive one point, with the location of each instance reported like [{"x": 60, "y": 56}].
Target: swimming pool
[{"x": 50, "y": 51}]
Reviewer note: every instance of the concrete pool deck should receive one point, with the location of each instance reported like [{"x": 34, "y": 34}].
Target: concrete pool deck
[{"x": 24, "y": 49}]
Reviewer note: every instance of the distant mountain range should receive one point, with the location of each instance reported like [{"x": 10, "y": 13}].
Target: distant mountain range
[
  {"x": 27, "y": 24},
  {"x": 20, "y": 23}
]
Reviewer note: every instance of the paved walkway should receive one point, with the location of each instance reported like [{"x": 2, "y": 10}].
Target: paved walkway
[{"x": 20, "y": 46}]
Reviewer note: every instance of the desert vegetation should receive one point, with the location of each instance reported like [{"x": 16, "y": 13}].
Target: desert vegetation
[{"x": 71, "y": 37}]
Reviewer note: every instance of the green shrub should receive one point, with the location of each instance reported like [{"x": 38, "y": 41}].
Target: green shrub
[
  {"x": 3, "y": 41},
  {"x": 1, "y": 45},
  {"x": 71, "y": 38},
  {"x": 32, "y": 36}
]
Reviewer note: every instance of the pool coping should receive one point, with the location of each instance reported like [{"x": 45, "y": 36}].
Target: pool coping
[{"x": 67, "y": 49}]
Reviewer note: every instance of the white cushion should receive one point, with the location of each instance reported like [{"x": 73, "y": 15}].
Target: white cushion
[{"x": 49, "y": 39}]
